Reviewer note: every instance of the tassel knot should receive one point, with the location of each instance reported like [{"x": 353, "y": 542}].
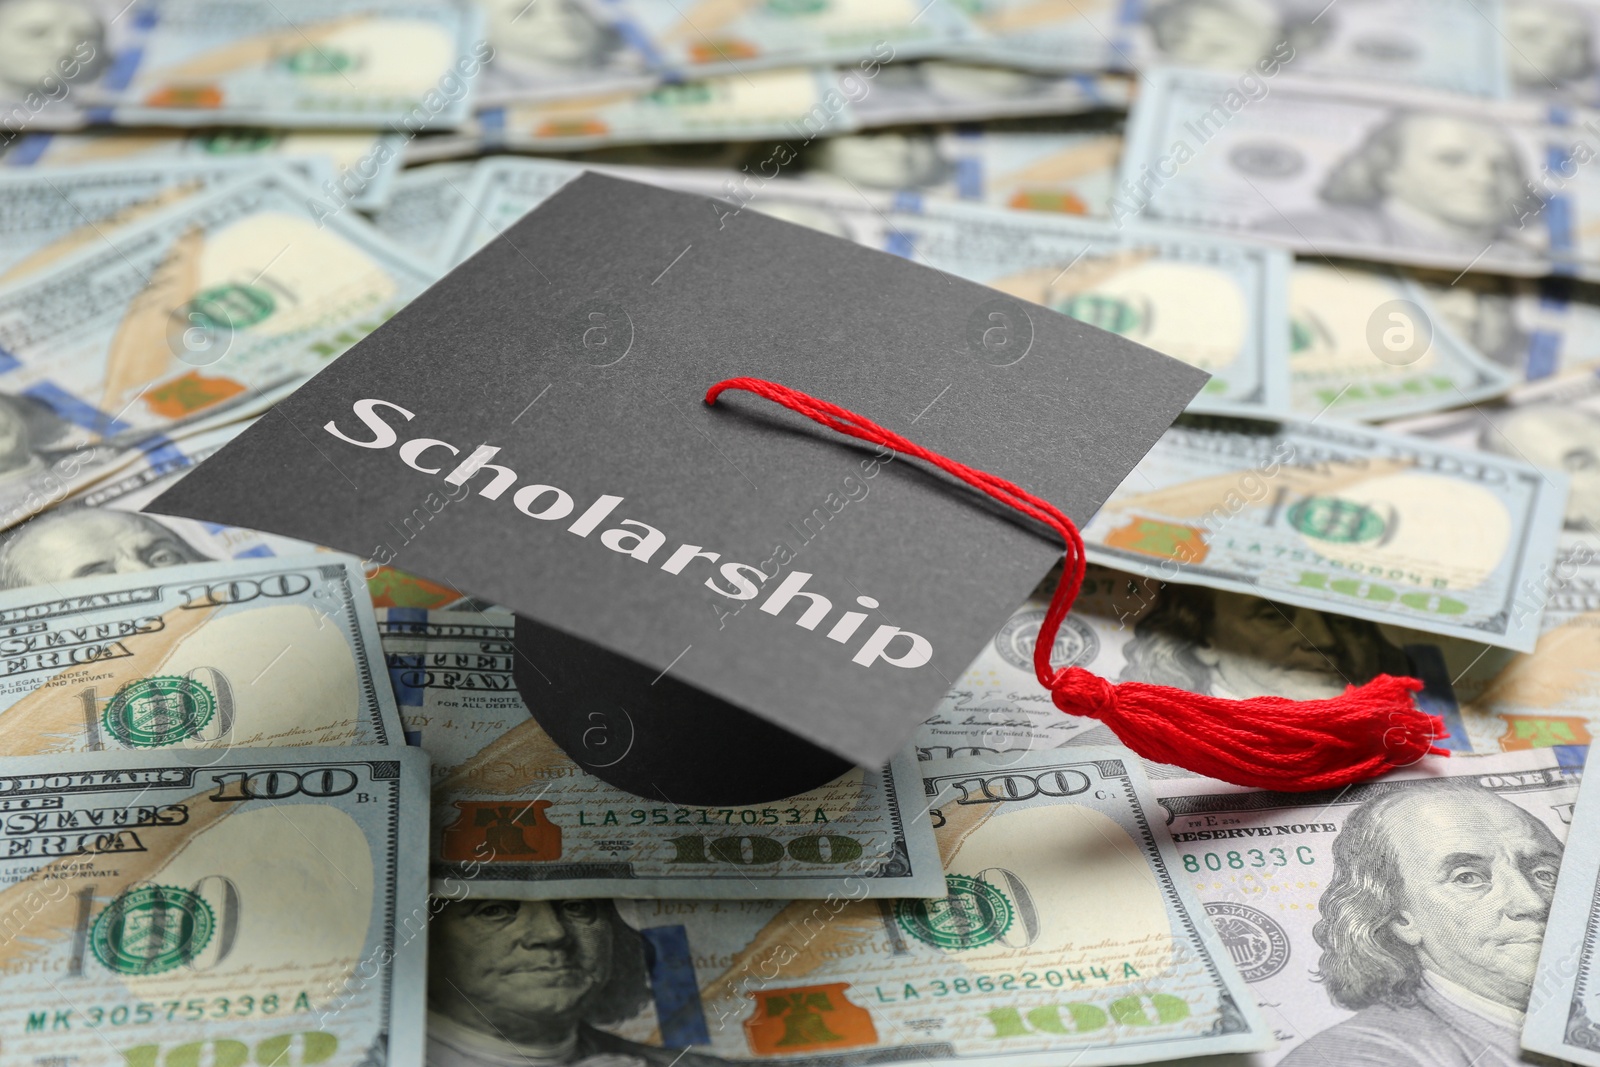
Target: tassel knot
[
  {"x": 1080, "y": 692},
  {"x": 1263, "y": 742}
]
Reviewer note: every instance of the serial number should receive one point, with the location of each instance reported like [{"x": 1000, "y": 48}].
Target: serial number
[
  {"x": 146, "y": 1012},
  {"x": 1250, "y": 857},
  {"x": 1056, "y": 978},
  {"x": 704, "y": 817}
]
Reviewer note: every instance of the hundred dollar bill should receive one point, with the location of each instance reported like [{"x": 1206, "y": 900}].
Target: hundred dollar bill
[
  {"x": 364, "y": 64},
  {"x": 1067, "y": 934},
  {"x": 196, "y": 315},
  {"x": 211, "y": 655},
  {"x": 1563, "y": 1016},
  {"x": 1551, "y": 695},
  {"x": 742, "y": 35},
  {"x": 1341, "y": 169},
  {"x": 1554, "y": 425},
  {"x": 424, "y": 204},
  {"x": 1340, "y": 518},
  {"x": 1396, "y": 921},
  {"x": 49, "y": 212},
  {"x": 1215, "y": 303},
  {"x": 362, "y": 166},
  {"x": 940, "y": 90},
  {"x": 263, "y": 907},
  {"x": 1548, "y": 697},
  {"x": 1450, "y": 45},
  {"x": 100, "y": 529},
  {"x": 1534, "y": 327},
  {"x": 515, "y": 816},
  {"x": 798, "y": 102},
  {"x": 1130, "y": 628},
  {"x": 557, "y": 48},
  {"x": 1370, "y": 344}
]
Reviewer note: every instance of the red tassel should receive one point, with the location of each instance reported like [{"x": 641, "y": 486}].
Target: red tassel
[{"x": 1264, "y": 742}]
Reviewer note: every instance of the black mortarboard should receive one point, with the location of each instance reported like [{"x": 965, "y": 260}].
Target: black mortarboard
[{"x": 717, "y": 605}]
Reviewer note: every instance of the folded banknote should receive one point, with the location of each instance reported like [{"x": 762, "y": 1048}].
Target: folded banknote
[
  {"x": 322, "y": 64},
  {"x": 1350, "y": 520},
  {"x": 198, "y": 314},
  {"x": 1344, "y": 169}
]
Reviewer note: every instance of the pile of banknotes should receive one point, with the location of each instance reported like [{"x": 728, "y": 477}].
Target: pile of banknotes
[{"x": 265, "y": 803}]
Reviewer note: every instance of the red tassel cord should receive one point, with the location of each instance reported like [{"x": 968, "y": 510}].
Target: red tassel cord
[{"x": 1264, "y": 742}]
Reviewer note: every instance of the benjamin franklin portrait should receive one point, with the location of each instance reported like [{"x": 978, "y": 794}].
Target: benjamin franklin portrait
[
  {"x": 513, "y": 983},
  {"x": 31, "y": 436},
  {"x": 554, "y": 33},
  {"x": 1430, "y": 929},
  {"x": 1232, "y": 34},
  {"x": 1551, "y": 46},
  {"x": 39, "y": 40},
  {"x": 1427, "y": 181},
  {"x": 1237, "y": 646},
  {"x": 79, "y": 542}
]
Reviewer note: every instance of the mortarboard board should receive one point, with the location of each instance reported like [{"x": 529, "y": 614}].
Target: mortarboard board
[{"x": 716, "y": 605}]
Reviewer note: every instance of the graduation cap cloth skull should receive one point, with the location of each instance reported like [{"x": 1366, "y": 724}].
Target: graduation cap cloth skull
[{"x": 716, "y": 604}]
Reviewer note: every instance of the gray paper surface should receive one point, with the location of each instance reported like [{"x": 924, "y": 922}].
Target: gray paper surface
[{"x": 581, "y": 343}]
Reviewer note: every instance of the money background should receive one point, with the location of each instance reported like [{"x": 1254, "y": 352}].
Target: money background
[{"x": 1370, "y": 221}]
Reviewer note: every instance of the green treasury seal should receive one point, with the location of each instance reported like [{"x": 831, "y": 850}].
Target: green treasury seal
[
  {"x": 972, "y": 914},
  {"x": 159, "y": 711},
  {"x": 151, "y": 929}
]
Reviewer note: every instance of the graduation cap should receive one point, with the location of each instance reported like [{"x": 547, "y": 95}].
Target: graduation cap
[{"x": 728, "y": 603}]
